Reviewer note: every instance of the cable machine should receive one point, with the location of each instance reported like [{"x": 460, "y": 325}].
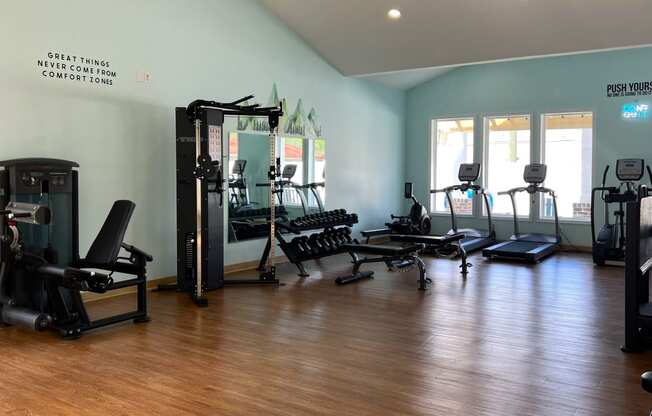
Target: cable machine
[{"x": 200, "y": 194}]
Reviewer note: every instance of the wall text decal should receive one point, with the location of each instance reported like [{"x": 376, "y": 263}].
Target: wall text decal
[
  {"x": 629, "y": 89},
  {"x": 76, "y": 68}
]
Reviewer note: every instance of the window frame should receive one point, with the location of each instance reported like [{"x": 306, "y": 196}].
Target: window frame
[
  {"x": 432, "y": 157},
  {"x": 485, "y": 162},
  {"x": 280, "y": 153},
  {"x": 542, "y": 154}
]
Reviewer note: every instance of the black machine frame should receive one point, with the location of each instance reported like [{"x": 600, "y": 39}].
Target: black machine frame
[
  {"x": 200, "y": 194},
  {"x": 62, "y": 279},
  {"x": 638, "y": 265},
  {"x": 473, "y": 239},
  {"x": 532, "y": 247},
  {"x": 609, "y": 244}
]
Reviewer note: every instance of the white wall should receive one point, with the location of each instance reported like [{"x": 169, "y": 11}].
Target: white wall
[{"x": 123, "y": 135}]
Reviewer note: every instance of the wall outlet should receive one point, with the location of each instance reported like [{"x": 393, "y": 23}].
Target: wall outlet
[{"x": 143, "y": 76}]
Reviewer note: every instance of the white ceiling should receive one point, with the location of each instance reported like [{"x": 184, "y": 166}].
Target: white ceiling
[
  {"x": 357, "y": 38},
  {"x": 406, "y": 79}
]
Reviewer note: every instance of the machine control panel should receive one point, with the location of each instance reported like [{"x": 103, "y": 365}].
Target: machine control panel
[
  {"x": 43, "y": 181},
  {"x": 468, "y": 172},
  {"x": 535, "y": 173},
  {"x": 408, "y": 190},
  {"x": 629, "y": 170}
]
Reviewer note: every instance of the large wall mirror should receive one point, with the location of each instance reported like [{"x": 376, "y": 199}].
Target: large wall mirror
[{"x": 301, "y": 189}]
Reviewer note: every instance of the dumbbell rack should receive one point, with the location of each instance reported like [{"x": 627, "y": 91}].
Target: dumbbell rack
[
  {"x": 252, "y": 222},
  {"x": 336, "y": 230}
]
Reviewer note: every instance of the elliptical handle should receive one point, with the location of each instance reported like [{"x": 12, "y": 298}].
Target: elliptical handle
[
  {"x": 604, "y": 181},
  {"x": 604, "y": 176}
]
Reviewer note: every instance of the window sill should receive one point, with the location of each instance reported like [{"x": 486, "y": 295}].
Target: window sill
[
  {"x": 566, "y": 221},
  {"x": 502, "y": 217},
  {"x": 448, "y": 214}
]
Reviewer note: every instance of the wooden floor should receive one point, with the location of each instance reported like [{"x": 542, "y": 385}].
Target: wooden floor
[{"x": 511, "y": 340}]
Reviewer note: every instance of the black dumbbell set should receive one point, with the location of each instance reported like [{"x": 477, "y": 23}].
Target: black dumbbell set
[
  {"x": 324, "y": 220},
  {"x": 257, "y": 212},
  {"x": 246, "y": 223},
  {"x": 336, "y": 227},
  {"x": 317, "y": 245}
]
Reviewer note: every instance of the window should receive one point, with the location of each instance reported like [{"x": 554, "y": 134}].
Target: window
[
  {"x": 507, "y": 152},
  {"x": 233, "y": 150},
  {"x": 452, "y": 145},
  {"x": 567, "y": 149},
  {"x": 291, "y": 153},
  {"x": 318, "y": 174}
]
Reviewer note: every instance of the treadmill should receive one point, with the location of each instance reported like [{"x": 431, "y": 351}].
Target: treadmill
[
  {"x": 474, "y": 239},
  {"x": 530, "y": 247}
]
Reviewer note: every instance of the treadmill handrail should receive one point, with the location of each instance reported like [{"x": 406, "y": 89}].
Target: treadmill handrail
[
  {"x": 532, "y": 189},
  {"x": 463, "y": 187},
  {"x": 478, "y": 189}
]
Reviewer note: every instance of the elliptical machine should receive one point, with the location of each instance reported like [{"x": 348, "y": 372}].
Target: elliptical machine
[
  {"x": 417, "y": 222},
  {"x": 609, "y": 243}
]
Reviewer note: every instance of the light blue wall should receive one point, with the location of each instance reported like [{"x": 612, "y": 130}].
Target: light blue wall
[
  {"x": 123, "y": 136},
  {"x": 534, "y": 86}
]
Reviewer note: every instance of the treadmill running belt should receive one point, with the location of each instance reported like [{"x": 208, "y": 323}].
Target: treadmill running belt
[{"x": 519, "y": 246}]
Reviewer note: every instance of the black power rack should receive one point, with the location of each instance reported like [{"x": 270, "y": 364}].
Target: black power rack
[{"x": 336, "y": 231}]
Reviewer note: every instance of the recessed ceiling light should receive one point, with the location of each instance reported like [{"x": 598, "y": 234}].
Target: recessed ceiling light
[{"x": 394, "y": 14}]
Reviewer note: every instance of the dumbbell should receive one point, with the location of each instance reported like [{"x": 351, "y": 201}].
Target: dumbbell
[
  {"x": 296, "y": 243},
  {"x": 307, "y": 249},
  {"x": 345, "y": 235},
  {"x": 310, "y": 247},
  {"x": 336, "y": 236},
  {"x": 296, "y": 223},
  {"x": 330, "y": 238},
  {"x": 318, "y": 246},
  {"x": 329, "y": 245}
]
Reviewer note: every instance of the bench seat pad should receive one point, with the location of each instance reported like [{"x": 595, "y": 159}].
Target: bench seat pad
[
  {"x": 383, "y": 250},
  {"x": 431, "y": 240}
]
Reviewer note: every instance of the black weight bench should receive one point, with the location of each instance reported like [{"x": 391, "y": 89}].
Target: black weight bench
[
  {"x": 398, "y": 257},
  {"x": 435, "y": 243},
  {"x": 393, "y": 256},
  {"x": 369, "y": 234}
]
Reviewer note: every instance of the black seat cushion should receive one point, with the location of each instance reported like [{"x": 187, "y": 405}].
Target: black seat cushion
[
  {"x": 432, "y": 240},
  {"x": 106, "y": 247},
  {"x": 646, "y": 381},
  {"x": 383, "y": 250}
]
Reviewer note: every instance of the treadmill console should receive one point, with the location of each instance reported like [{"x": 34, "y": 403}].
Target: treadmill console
[
  {"x": 408, "y": 190},
  {"x": 535, "y": 173},
  {"x": 239, "y": 167},
  {"x": 629, "y": 170},
  {"x": 289, "y": 171},
  {"x": 469, "y": 172}
]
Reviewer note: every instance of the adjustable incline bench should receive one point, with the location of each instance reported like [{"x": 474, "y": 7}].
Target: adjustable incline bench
[{"x": 399, "y": 257}]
